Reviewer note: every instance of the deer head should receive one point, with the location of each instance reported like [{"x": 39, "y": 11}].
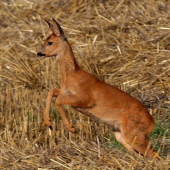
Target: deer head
[{"x": 55, "y": 43}]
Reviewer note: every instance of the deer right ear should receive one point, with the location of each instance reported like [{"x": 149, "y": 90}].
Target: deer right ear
[{"x": 55, "y": 28}]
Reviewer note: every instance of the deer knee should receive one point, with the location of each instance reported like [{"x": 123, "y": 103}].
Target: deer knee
[
  {"x": 58, "y": 102},
  {"x": 53, "y": 92}
]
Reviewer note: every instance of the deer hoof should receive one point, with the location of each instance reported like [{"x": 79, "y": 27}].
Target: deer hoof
[
  {"x": 51, "y": 127},
  {"x": 72, "y": 129},
  {"x": 48, "y": 123}
]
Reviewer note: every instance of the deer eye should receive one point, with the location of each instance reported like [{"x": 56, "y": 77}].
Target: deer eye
[{"x": 49, "y": 43}]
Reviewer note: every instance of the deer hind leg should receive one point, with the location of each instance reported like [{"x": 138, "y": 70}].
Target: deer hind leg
[
  {"x": 136, "y": 136},
  {"x": 52, "y": 93},
  {"x": 136, "y": 145},
  {"x": 120, "y": 138},
  {"x": 142, "y": 146}
]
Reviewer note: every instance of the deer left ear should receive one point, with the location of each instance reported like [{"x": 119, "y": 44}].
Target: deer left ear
[
  {"x": 57, "y": 29},
  {"x": 50, "y": 26}
]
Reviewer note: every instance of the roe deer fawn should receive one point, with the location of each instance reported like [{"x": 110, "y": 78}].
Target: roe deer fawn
[{"x": 129, "y": 119}]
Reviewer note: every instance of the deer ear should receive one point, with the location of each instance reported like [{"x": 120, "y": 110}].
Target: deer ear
[
  {"x": 50, "y": 25},
  {"x": 57, "y": 29}
]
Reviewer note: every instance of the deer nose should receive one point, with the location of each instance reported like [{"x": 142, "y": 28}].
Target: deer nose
[{"x": 39, "y": 54}]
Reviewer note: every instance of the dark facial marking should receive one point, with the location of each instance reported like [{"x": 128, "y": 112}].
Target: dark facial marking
[
  {"x": 49, "y": 37},
  {"x": 65, "y": 39}
]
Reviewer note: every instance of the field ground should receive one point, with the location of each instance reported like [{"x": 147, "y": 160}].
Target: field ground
[{"x": 125, "y": 43}]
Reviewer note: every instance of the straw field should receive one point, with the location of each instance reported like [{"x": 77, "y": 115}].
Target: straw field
[{"x": 125, "y": 43}]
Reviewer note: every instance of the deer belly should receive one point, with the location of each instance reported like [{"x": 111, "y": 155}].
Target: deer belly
[{"x": 110, "y": 119}]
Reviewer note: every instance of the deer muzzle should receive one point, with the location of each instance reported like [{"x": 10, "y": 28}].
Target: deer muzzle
[{"x": 41, "y": 55}]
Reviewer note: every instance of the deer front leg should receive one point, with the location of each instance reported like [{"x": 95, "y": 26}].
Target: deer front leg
[
  {"x": 73, "y": 101},
  {"x": 65, "y": 120},
  {"x": 52, "y": 93}
]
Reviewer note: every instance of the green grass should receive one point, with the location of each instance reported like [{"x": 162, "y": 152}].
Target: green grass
[
  {"x": 161, "y": 135},
  {"x": 111, "y": 142}
]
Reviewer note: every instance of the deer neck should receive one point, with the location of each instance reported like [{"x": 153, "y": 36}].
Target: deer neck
[{"x": 67, "y": 64}]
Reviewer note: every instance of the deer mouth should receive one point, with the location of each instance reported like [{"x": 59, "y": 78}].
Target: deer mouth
[{"x": 41, "y": 55}]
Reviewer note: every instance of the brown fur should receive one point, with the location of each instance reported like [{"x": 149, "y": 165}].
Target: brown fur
[{"x": 130, "y": 120}]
